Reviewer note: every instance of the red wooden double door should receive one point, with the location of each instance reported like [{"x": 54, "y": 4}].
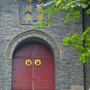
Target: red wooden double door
[{"x": 33, "y": 77}]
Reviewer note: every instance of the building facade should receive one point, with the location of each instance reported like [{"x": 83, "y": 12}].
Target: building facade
[{"x": 68, "y": 72}]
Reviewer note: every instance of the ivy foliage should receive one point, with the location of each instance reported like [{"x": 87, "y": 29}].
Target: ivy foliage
[
  {"x": 73, "y": 8},
  {"x": 77, "y": 44}
]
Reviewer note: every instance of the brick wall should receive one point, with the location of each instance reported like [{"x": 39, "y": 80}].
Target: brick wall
[{"x": 69, "y": 72}]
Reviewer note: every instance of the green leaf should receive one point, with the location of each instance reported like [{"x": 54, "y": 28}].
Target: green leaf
[
  {"x": 57, "y": 2},
  {"x": 88, "y": 11},
  {"x": 89, "y": 2},
  {"x": 83, "y": 5},
  {"x": 55, "y": 9},
  {"x": 77, "y": 12},
  {"x": 53, "y": 5},
  {"x": 83, "y": 0},
  {"x": 75, "y": 35},
  {"x": 49, "y": 21},
  {"x": 68, "y": 15},
  {"x": 78, "y": 4},
  {"x": 82, "y": 38},
  {"x": 66, "y": 20},
  {"x": 41, "y": 25}
]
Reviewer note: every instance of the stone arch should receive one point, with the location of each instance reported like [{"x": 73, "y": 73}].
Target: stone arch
[{"x": 41, "y": 35}]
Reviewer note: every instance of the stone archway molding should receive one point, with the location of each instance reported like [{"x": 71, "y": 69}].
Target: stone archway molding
[{"x": 34, "y": 33}]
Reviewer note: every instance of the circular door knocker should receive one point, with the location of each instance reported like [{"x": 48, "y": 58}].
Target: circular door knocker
[
  {"x": 37, "y": 62},
  {"x": 28, "y": 62}
]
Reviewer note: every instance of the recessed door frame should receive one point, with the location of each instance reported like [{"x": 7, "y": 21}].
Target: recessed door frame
[{"x": 36, "y": 35}]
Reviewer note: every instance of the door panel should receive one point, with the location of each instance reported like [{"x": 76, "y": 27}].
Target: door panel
[
  {"x": 44, "y": 74},
  {"x": 33, "y": 77},
  {"x": 22, "y": 75}
]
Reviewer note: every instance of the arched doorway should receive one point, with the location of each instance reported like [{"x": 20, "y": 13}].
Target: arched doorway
[{"x": 28, "y": 73}]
